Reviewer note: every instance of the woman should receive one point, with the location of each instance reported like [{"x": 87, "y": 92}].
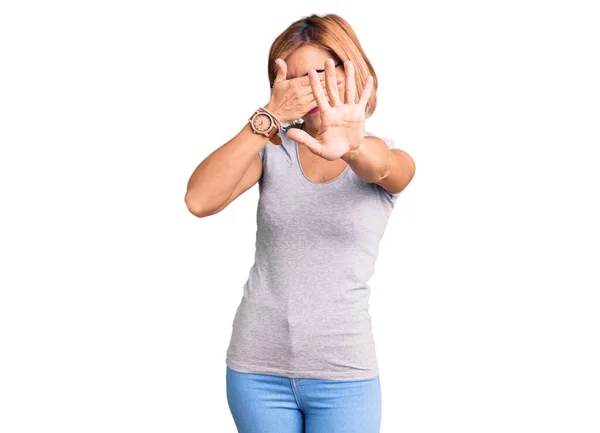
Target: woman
[{"x": 302, "y": 356}]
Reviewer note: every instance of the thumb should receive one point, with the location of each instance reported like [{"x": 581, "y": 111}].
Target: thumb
[
  {"x": 302, "y": 137},
  {"x": 281, "y": 71}
]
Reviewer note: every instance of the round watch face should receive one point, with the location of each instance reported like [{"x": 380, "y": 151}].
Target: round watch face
[{"x": 262, "y": 122}]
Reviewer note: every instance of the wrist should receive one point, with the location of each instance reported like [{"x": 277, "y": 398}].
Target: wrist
[
  {"x": 275, "y": 113},
  {"x": 351, "y": 155}
]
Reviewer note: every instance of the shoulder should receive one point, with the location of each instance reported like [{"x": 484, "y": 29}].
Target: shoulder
[{"x": 390, "y": 143}]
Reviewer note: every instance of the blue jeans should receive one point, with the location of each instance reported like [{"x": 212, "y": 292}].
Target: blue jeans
[{"x": 262, "y": 403}]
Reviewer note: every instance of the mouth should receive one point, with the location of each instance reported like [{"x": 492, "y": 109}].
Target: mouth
[{"x": 314, "y": 110}]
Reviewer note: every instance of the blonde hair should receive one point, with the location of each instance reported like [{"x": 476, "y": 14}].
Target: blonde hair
[{"x": 333, "y": 34}]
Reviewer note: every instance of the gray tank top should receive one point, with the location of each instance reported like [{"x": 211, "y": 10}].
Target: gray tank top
[{"x": 305, "y": 307}]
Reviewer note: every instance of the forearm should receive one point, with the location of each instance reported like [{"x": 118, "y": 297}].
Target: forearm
[
  {"x": 215, "y": 178},
  {"x": 371, "y": 161}
]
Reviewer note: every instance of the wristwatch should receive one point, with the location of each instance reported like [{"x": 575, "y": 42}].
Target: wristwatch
[{"x": 263, "y": 123}]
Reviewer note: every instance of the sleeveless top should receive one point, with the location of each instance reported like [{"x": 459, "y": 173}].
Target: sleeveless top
[{"x": 305, "y": 306}]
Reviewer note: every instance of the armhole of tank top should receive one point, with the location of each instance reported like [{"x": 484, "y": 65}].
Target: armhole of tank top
[{"x": 262, "y": 169}]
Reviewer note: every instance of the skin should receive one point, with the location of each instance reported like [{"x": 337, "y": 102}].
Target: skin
[
  {"x": 333, "y": 137},
  {"x": 300, "y": 63}
]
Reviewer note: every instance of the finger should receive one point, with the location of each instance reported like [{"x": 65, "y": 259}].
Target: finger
[
  {"x": 350, "y": 95},
  {"x": 366, "y": 94},
  {"x": 330, "y": 79},
  {"x": 305, "y": 81},
  {"x": 318, "y": 91},
  {"x": 281, "y": 71},
  {"x": 308, "y": 90},
  {"x": 312, "y": 98},
  {"x": 302, "y": 137},
  {"x": 307, "y": 103}
]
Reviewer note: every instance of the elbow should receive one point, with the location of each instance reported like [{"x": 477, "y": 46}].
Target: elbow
[{"x": 194, "y": 205}]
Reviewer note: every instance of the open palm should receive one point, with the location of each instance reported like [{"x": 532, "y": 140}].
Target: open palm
[{"x": 342, "y": 124}]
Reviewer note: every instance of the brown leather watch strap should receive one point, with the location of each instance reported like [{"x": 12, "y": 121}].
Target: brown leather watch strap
[{"x": 274, "y": 136}]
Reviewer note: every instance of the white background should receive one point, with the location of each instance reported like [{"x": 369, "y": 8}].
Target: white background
[{"x": 116, "y": 303}]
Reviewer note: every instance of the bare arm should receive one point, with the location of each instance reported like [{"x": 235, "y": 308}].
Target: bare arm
[
  {"x": 225, "y": 174},
  {"x": 235, "y": 166},
  {"x": 377, "y": 162}
]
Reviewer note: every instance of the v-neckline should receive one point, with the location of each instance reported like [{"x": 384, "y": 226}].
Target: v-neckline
[{"x": 307, "y": 179}]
